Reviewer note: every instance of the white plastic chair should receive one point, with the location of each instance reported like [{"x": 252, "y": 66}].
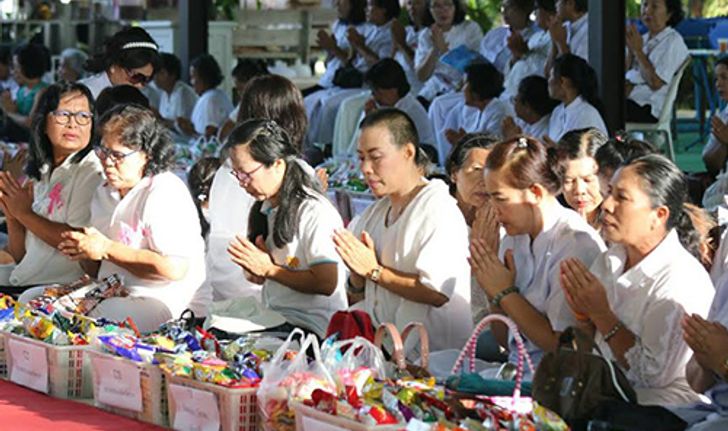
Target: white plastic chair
[{"x": 663, "y": 125}]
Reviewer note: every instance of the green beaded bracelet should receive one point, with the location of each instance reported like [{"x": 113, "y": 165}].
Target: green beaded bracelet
[{"x": 495, "y": 302}]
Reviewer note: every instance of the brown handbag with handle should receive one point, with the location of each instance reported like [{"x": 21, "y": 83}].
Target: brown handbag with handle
[{"x": 398, "y": 354}]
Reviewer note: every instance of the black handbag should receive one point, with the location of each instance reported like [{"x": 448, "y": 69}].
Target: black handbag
[{"x": 348, "y": 76}]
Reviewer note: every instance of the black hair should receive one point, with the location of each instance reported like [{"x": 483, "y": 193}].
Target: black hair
[
  {"x": 616, "y": 152},
  {"x": 171, "y": 63},
  {"x": 248, "y": 68},
  {"x": 525, "y": 6},
  {"x": 138, "y": 128},
  {"x": 391, "y": 8},
  {"x": 534, "y": 91},
  {"x": 581, "y": 5},
  {"x": 119, "y": 95},
  {"x": 461, "y": 150},
  {"x": 208, "y": 70},
  {"x": 527, "y": 161},
  {"x": 484, "y": 80},
  {"x": 665, "y": 184},
  {"x": 33, "y": 59},
  {"x": 130, "y": 57},
  {"x": 357, "y": 12},
  {"x": 722, "y": 61},
  {"x": 577, "y": 144},
  {"x": 199, "y": 181},
  {"x": 6, "y": 56},
  {"x": 41, "y": 148},
  {"x": 547, "y": 5},
  {"x": 459, "y": 15},
  {"x": 267, "y": 143},
  {"x": 388, "y": 73},
  {"x": 582, "y": 77},
  {"x": 400, "y": 127},
  {"x": 674, "y": 8}
]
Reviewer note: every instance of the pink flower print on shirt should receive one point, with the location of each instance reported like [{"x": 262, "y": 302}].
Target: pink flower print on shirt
[
  {"x": 131, "y": 236},
  {"x": 55, "y": 202}
]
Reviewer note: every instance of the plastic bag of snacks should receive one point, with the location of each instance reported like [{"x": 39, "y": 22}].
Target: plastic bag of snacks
[
  {"x": 289, "y": 378},
  {"x": 79, "y": 297},
  {"x": 352, "y": 362}
]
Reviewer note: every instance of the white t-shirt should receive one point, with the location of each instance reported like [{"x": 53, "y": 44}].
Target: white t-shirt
[
  {"x": 339, "y": 32},
  {"x": 97, "y": 83},
  {"x": 494, "y": 47},
  {"x": 538, "y": 272},
  {"x": 158, "y": 215},
  {"x": 61, "y": 196},
  {"x": 444, "y": 78},
  {"x": 537, "y": 129},
  {"x": 539, "y": 44},
  {"x": 718, "y": 394},
  {"x": 578, "y": 36},
  {"x": 650, "y": 299},
  {"x": 473, "y": 120},
  {"x": 311, "y": 245},
  {"x": 211, "y": 109},
  {"x": 409, "y": 67},
  {"x": 714, "y": 196},
  {"x": 578, "y": 114},
  {"x": 667, "y": 52},
  {"x": 180, "y": 103},
  {"x": 430, "y": 239}
]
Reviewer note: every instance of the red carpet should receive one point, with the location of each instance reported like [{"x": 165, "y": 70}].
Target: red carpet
[{"x": 23, "y": 409}]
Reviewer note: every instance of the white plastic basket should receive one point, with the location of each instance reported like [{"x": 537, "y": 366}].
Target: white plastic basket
[
  {"x": 152, "y": 383},
  {"x": 238, "y": 407},
  {"x": 69, "y": 371},
  {"x": 310, "y": 419}
]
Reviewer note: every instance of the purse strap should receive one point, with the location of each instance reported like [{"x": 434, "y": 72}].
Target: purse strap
[{"x": 398, "y": 354}]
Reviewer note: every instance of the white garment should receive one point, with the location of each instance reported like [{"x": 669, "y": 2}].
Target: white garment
[
  {"x": 347, "y": 124},
  {"x": 539, "y": 44},
  {"x": 97, "y": 83},
  {"x": 537, "y": 129},
  {"x": 339, "y": 31},
  {"x": 444, "y": 78},
  {"x": 438, "y": 112},
  {"x": 211, "y": 109},
  {"x": 153, "y": 95},
  {"x": 579, "y": 114},
  {"x": 311, "y": 245},
  {"x": 714, "y": 195},
  {"x": 61, "y": 196},
  {"x": 180, "y": 103},
  {"x": 650, "y": 299},
  {"x": 158, "y": 215},
  {"x": 667, "y": 52},
  {"x": 10, "y": 85},
  {"x": 430, "y": 239},
  {"x": 578, "y": 36},
  {"x": 234, "y": 114},
  {"x": 494, "y": 47},
  {"x": 472, "y": 120},
  {"x": 538, "y": 272},
  {"x": 409, "y": 66}
]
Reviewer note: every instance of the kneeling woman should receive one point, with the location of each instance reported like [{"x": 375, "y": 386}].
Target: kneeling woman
[
  {"x": 521, "y": 279},
  {"x": 289, "y": 248},
  {"x": 144, "y": 225},
  {"x": 636, "y": 294},
  {"x": 407, "y": 253}
]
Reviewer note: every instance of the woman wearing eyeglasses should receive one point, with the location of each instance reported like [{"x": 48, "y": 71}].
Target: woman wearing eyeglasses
[
  {"x": 64, "y": 174},
  {"x": 288, "y": 248},
  {"x": 129, "y": 57},
  {"x": 144, "y": 225}
]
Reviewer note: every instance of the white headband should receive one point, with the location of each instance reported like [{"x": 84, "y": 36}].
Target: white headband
[{"x": 134, "y": 45}]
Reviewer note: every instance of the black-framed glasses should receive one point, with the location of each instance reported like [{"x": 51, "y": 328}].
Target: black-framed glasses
[
  {"x": 63, "y": 117},
  {"x": 136, "y": 78},
  {"x": 104, "y": 153},
  {"x": 244, "y": 177}
]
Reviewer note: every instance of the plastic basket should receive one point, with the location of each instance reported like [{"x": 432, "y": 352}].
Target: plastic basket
[
  {"x": 152, "y": 383},
  {"x": 69, "y": 371},
  {"x": 310, "y": 419},
  {"x": 238, "y": 407}
]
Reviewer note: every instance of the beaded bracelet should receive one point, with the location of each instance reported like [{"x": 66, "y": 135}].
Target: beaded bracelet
[
  {"x": 495, "y": 302},
  {"x": 612, "y": 332},
  {"x": 353, "y": 289}
]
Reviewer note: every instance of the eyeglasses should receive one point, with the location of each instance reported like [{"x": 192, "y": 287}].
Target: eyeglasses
[
  {"x": 116, "y": 157},
  {"x": 244, "y": 177},
  {"x": 136, "y": 78},
  {"x": 83, "y": 118}
]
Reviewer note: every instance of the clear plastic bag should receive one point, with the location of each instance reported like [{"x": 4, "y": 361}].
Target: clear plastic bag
[{"x": 351, "y": 362}]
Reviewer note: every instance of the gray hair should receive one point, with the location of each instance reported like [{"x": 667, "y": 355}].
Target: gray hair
[{"x": 75, "y": 59}]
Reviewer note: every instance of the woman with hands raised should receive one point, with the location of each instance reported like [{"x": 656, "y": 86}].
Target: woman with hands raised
[{"x": 634, "y": 296}]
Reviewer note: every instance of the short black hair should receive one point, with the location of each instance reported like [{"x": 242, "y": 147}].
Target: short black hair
[
  {"x": 33, "y": 59},
  {"x": 484, "y": 80},
  {"x": 674, "y": 8},
  {"x": 391, "y": 7},
  {"x": 581, "y": 5},
  {"x": 6, "y": 56},
  {"x": 248, "y": 68},
  {"x": 388, "y": 73},
  {"x": 119, "y": 95},
  {"x": 534, "y": 91},
  {"x": 171, "y": 64},
  {"x": 400, "y": 127},
  {"x": 459, "y": 11},
  {"x": 208, "y": 70},
  {"x": 547, "y": 5}
]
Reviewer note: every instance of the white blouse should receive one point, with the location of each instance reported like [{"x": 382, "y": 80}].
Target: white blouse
[
  {"x": 578, "y": 36},
  {"x": 429, "y": 239},
  {"x": 537, "y": 129},
  {"x": 409, "y": 67},
  {"x": 211, "y": 109},
  {"x": 473, "y": 120},
  {"x": 97, "y": 83},
  {"x": 339, "y": 32},
  {"x": 714, "y": 196},
  {"x": 494, "y": 47},
  {"x": 718, "y": 394},
  {"x": 650, "y": 300},
  {"x": 578, "y": 114},
  {"x": 666, "y": 51},
  {"x": 539, "y": 44},
  {"x": 180, "y": 103}
]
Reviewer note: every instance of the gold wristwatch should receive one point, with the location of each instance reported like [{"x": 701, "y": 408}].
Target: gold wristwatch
[{"x": 376, "y": 273}]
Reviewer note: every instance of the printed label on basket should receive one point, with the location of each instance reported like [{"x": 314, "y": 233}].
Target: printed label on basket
[
  {"x": 119, "y": 384},
  {"x": 194, "y": 410},
  {"x": 28, "y": 365},
  {"x": 311, "y": 424}
]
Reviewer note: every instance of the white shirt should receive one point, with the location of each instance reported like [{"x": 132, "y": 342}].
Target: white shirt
[
  {"x": 9, "y": 85},
  {"x": 714, "y": 196},
  {"x": 61, "y": 196},
  {"x": 339, "y": 31},
  {"x": 537, "y": 129},
  {"x": 578, "y": 114},
  {"x": 234, "y": 114},
  {"x": 650, "y": 299},
  {"x": 153, "y": 95},
  {"x": 494, "y": 47},
  {"x": 538, "y": 272},
  {"x": 472, "y": 120},
  {"x": 211, "y": 109},
  {"x": 311, "y": 245},
  {"x": 158, "y": 215},
  {"x": 430, "y": 239},
  {"x": 578, "y": 36},
  {"x": 539, "y": 44},
  {"x": 667, "y": 52},
  {"x": 444, "y": 78},
  {"x": 179, "y": 103},
  {"x": 718, "y": 394},
  {"x": 409, "y": 69},
  {"x": 97, "y": 83}
]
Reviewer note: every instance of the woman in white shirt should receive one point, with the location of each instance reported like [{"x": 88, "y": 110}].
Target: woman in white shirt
[
  {"x": 449, "y": 31},
  {"x": 130, "y": 57},
  {"x": 522, "y": 277},
  {"x": 177, "y": 99},
  {"x": 65, "y": 174},
  {"x": 394, "y": 251},
  {"x": 715, "y": 152},
  {"x": 533, "y": 107},
  {"x": 574, "y": 83},
  {"x": 636, "y": 294},
  {"x": 288, "y": 248},
  {"x": 405, "y": 39},
  {"x": 144, "y": 225},
  {"x": 213, "y": 106},
  {"x": 653, "y": 59}
]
